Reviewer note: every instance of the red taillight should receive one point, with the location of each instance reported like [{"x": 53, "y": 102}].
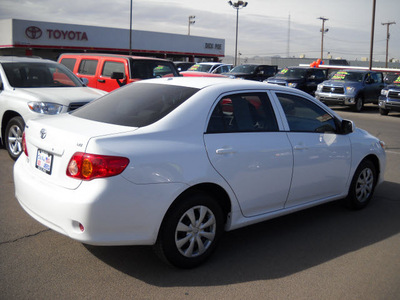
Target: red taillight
[
  {"x": 24, "y": 144},
  {"x": 89, "y": 166}
]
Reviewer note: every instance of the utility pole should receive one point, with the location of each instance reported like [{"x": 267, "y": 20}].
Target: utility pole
[
  {"x": 323, "y": 31},
  {"x": 387, "y": 40},
  {"x": 372, "y": 34},
  {"x": 288, "y": 40}
]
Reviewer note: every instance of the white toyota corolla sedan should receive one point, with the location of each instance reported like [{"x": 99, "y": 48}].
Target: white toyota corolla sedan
[{"x": 176, "y": 162}]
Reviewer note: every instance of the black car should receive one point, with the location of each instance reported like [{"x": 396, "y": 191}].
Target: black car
[
  {"x": 253, "y": 72},
  {"x": 302, "y": 78}
]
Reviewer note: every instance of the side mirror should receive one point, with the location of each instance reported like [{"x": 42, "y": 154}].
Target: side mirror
[
  {"x": 118, "y": 76},
  {"x": 347, "y": 126},
  {"x": 85, "y": 81}
]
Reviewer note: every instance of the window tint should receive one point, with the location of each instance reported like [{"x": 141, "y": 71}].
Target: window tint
[
  {"x": 112, "y": 66},
  {"x": 319, "y": 74},
  {"x": 88, "y": 67},
  {"x": 305, "y": 116},
  {"x": 136, "y": 105},
  {"x": 248, "y": 112},
  {"x": 69, "y": 63}
]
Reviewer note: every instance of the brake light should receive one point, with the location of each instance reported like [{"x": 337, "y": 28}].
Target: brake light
[
  {"x": 24, "y": 144},
  {"x": 87, "y": 166}
]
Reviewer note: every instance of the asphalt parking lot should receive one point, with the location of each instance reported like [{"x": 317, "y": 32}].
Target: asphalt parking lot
[{"x": 326, "y": 252}]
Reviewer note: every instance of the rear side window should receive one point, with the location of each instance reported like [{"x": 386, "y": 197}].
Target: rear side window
[
  {"x": 69, "y": 63},
  {"x": 88, "y": 67},
  {"x": 145, "y": 69},
  {"x": 136, "y": 105},
  {"x": 111, "y": 67},
  {"x": 250, "y": 112}
]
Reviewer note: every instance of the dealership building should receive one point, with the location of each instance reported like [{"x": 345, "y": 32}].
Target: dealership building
[{"x": 49, "y": 40}]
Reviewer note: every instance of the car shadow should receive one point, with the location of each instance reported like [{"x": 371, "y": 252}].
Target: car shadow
[{"x": 272, "y": 249}]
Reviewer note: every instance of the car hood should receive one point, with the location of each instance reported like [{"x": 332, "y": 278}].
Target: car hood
[
  {"x": 61, "y": 95},
  {"x": 393, "y": 87}
]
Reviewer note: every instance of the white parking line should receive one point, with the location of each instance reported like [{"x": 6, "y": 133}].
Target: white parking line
[{"x": 392, "y": 152}]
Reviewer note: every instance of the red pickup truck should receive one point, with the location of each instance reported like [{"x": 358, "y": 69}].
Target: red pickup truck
[{"x": 110, "y": 71}]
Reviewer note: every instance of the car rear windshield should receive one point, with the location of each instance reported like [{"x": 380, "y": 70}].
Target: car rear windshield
[
  {"x": 137, "y": 105},
  {"x": 39, "y": 75}
]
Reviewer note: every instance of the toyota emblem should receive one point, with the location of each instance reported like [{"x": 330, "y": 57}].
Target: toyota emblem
[
  {"x": 43, "y": 133},
  {"x": 33, "y": 32}
]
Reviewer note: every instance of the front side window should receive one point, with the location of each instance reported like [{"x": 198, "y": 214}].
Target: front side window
[
  {"x": 136, "y": 105},
  {"x": 69, "y": 63},
  {"x": 305, "y": 116},
  {"x": 88, "y": 67},
  {"x": 111, "y": 67},
  {"x": 247, "y": 112}
]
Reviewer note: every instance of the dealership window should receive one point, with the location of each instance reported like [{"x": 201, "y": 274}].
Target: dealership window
[
  {"x": 247, "y": 112},
  {"x": 88, "y": 67},
  {"x": 111, "y": 67}
]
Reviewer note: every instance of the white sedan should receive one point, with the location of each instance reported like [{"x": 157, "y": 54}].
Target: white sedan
[{"x": 176, "y": 162}]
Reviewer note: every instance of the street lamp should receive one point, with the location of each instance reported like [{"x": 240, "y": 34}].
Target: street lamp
[
  {"x": 323, "y": 31},
  {"x": 237, "y": 5},
  {"x": 130, "y": 30},
  {"x": 191, "y": 21}
]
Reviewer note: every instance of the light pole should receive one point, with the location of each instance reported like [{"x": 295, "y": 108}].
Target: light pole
[
  {"x": 237, "y": 5},
  {"x": 323, "y": 31},
  {"x": 191, "y": 21},
  {"x": 387, "y": 40}
]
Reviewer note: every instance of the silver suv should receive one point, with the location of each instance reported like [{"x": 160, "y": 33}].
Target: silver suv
[{"x": 34, "y": 87}]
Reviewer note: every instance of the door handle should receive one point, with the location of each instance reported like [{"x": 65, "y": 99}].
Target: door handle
[
  {"x": 225, "y": 151},
  {"x": 101, "y": 80}
]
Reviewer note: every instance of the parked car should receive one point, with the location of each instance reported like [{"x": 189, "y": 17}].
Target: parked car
[
  {"x": 175, "y": 162},
  {"x": 351, "y": 88},
  {"x": 34, "y": 87},
  {"x": 210, "y": 67},
  {"x": 389, "y": 100},
  {"x": 253, "y": 72},
  {"x": 302, "y": 78},
  {"x": 110, "y": 71}
]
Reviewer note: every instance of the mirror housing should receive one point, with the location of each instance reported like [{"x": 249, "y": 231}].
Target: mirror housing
[
  {"x": 118, "y": 76},
  {"x": 347, "y": 126}
]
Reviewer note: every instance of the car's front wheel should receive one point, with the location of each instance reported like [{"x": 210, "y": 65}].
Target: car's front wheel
[
  {"x": 359, "y": 104},
  {"x": 190, "y": 231},
  {"x": 383, "y": 111},
  {"x": 13, "y": 137},
  {"x": 362, "y": 186}
]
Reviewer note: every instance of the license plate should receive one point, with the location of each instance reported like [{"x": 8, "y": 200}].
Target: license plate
[{"x": 44, "y": 161}]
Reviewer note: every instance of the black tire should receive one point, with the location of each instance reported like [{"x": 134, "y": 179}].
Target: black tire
[
  {"x": 383, "y": 111},
  {"x": 362, "y": 186},
  {"x": 190, "y": 231},
  {"x": 13, "y": 137},
  {"x": 359, "y": 104}
]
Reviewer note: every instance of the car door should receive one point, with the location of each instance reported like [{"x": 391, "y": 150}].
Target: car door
[
  {"x": 105, "y": 82},
  {"x": 247, "y": 149},
  {"x": 87, "y": 69},
  {"x": 322, "y": 155}
]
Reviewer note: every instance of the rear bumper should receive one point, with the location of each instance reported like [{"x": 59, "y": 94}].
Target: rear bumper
[{"x": 113, "y": 211}]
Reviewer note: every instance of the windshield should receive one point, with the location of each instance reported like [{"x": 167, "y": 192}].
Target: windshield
[
  {"x": 200, "y": 68},
  {"x": 348, "y": 76},
  {"x": 39, "y": 75},
  {"x": 248, "y": 69},
  {"x": 139, "y": 104},
  {"x": 292, "y": 73},
  {"x": 146, "y": 69}
]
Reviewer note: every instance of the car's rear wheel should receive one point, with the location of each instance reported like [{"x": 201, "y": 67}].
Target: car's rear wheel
[
  {"x": 362, "y": 186},
  {"x": 383, "y": 111},
  {"x": 359, "y": 104},
  {"x": 190, "y": 231},
  {"x": 13, "y": 137}
]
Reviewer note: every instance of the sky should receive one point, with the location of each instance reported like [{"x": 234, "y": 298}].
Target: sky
[{"x": 264, "y": 26}]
